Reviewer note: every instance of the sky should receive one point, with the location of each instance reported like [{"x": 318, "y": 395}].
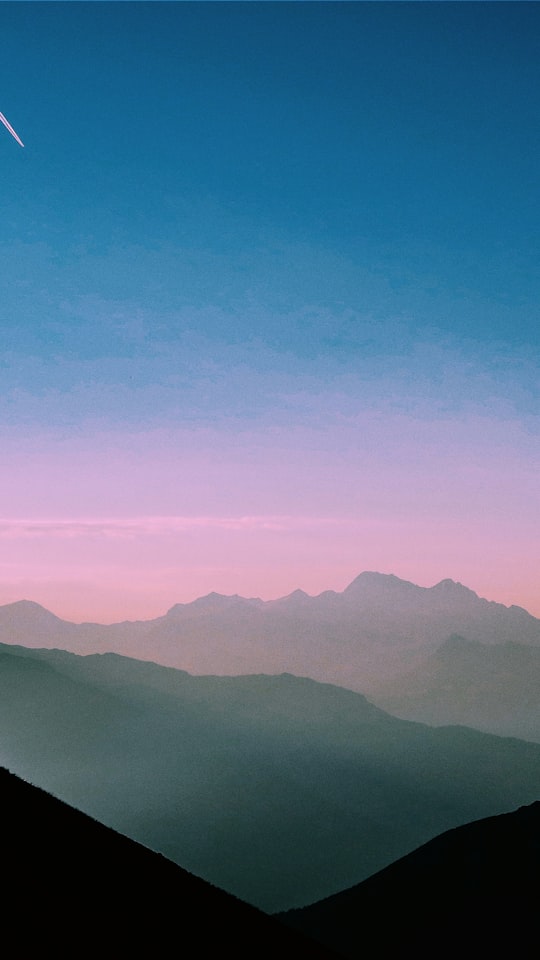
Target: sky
[{"x": 268, "y": 300}]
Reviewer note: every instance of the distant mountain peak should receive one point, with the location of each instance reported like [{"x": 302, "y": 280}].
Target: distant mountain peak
[
  {"x": 453, "y": 588},
  {"x": 370, "y": 579},
  {"x": 29, "y": 609},
  {"x": 212, "y": 602},
  {"x": 292, "y": 599},
  {"x": 27, "y": 605},
  {"x": 175, "y": 609},
  {"x": 212, "y": 597}
]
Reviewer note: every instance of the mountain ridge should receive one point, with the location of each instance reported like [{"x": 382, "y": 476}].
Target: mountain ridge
[
  {"x": 373, "y": 631},
  {"x": 386, "y": 581}
]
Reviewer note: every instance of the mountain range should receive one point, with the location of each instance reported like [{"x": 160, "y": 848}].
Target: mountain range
[
  {"x": 279, "y": 789},
  {"x": 439, "y": 655},
  {"x": 342, "y": 638}
]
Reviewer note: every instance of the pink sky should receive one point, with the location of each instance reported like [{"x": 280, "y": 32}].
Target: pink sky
[
  {"x": 136, "y": 568},
  {"x": 108, "y": 527}
]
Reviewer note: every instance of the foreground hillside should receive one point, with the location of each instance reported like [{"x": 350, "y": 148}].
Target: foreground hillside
[
  {"x": 472, "y": 892},
  {"x": 278, "y": 789},
  {"x": 72, "y": 887}
]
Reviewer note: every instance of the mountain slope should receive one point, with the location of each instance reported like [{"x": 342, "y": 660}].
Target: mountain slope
[
  {"x": 276, "y": 788},
  {"x": 471, "y": 892},
  {"x": 490, "y": 687},
  {"x": 72, "y": 887}
]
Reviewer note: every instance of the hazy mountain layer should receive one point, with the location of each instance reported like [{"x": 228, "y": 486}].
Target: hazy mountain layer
[
  {"x": 72, "y": 887},
  {"x": 278, "y": 789},
  {"x": 376, "y": 628},
  {"x": 472, "y": 892},
  {"x": 494, "y": 688}
]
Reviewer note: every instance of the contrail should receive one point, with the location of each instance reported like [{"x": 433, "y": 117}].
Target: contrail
[{"x": 10, "y": 128}]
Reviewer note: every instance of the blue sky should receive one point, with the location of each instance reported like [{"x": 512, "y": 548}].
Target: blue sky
[{"x": 268, "y": 233}]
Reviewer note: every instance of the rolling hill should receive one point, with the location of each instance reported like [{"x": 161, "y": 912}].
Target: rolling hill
[{"x": 278, "y": 789}]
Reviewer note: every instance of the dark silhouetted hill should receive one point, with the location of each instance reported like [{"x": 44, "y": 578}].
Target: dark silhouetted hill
[
  {"x": 471, "y": 892},
  {"x": 278, "y": 789},
  {"x": 72, "y": 888}
]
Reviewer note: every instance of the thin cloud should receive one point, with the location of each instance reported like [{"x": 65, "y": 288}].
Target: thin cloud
[{"x": 131, "y": 527}]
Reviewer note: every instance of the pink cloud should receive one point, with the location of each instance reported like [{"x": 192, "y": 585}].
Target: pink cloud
[{"x": 131, "y": 527}]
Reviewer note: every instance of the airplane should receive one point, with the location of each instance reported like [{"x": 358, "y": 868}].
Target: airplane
[{"x": 10, "y": 128}]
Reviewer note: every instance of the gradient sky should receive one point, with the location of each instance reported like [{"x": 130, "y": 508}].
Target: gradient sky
[{"x": 269, "y": 300}]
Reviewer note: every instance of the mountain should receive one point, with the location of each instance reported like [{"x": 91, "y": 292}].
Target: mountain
[
  {"x": 278, "y": 789},
  {"x": 492, "y": 687},
  {"x": 376, "y": 629},
  {"x": 472, "y": 892},
  {"x": 73, "y": 887}
]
